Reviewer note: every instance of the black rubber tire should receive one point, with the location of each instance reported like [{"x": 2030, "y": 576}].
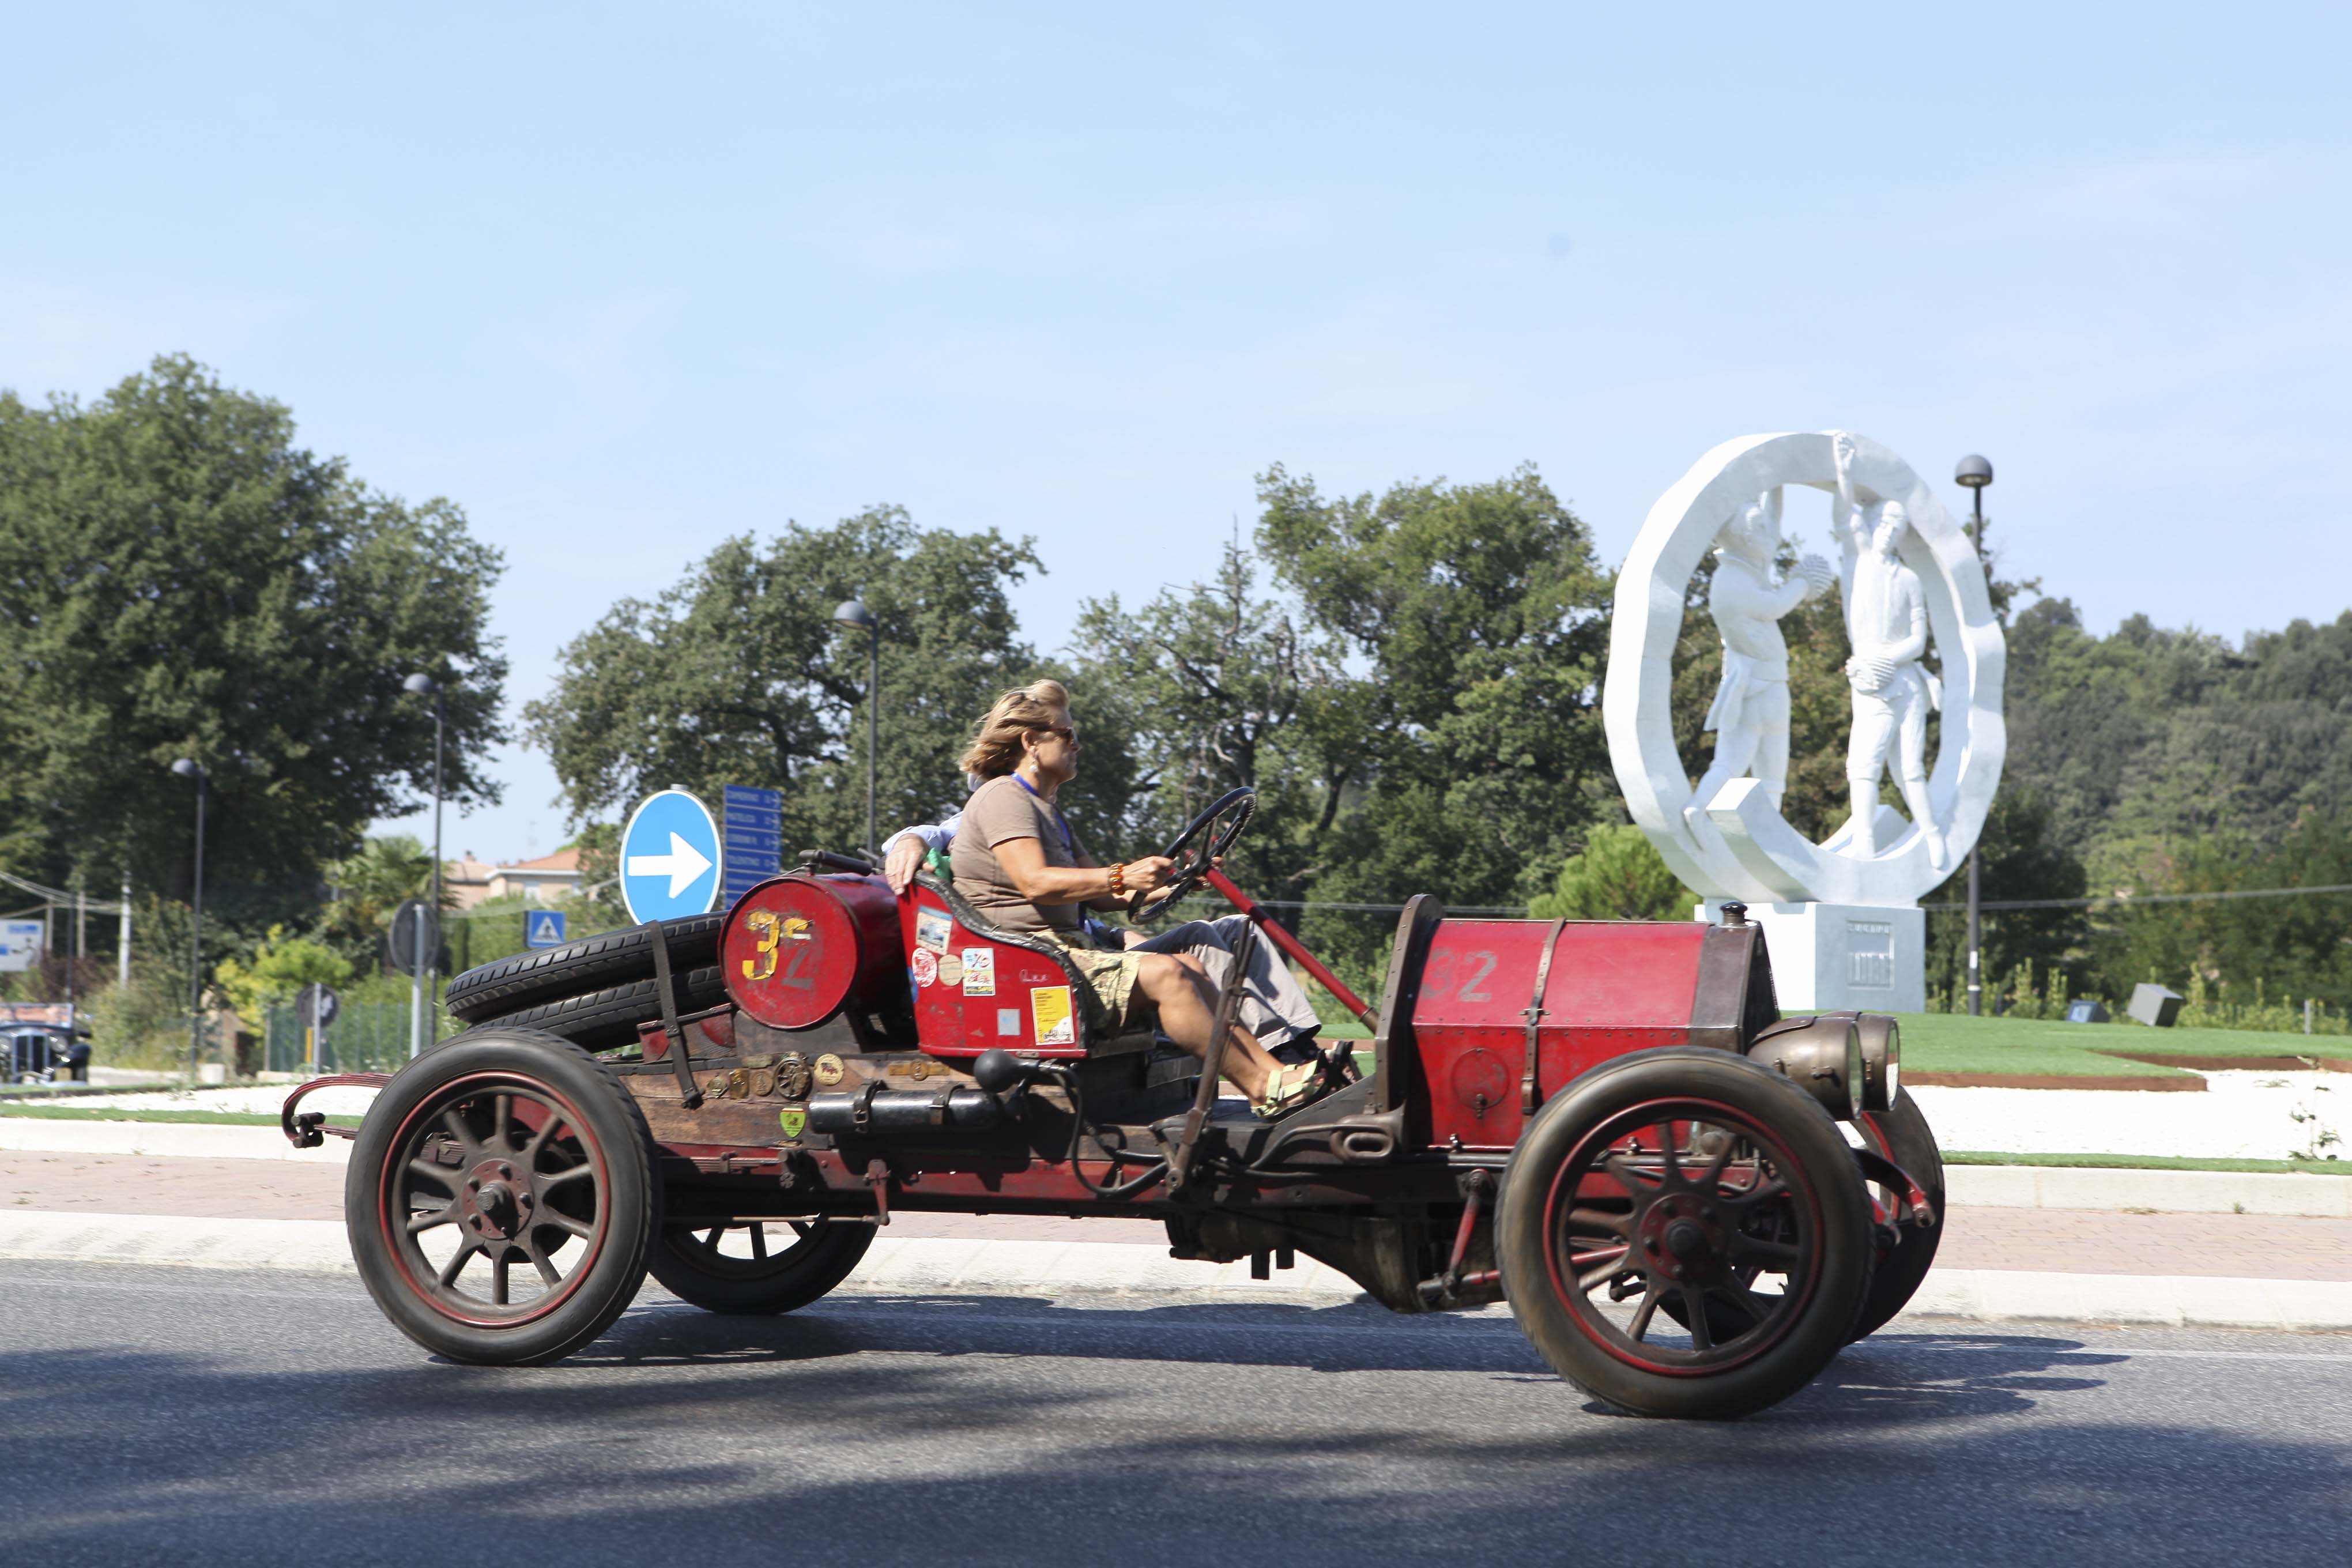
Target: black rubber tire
[
  {"x": 1905, "y": 1138},
  {"x": 512, "y": 986},
  {"x": 629, "y": 1208},
  {"x": 1814, "y": 1148},
  {"x": 792, "y": 1279},
  {"x": 601, "y": 1020}
]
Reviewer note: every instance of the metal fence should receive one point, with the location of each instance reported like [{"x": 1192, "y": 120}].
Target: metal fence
[{"x": 365, "y": 1037}]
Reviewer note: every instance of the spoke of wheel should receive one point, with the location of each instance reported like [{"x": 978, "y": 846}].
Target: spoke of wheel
[
  {"x": 760, "y": 1240},
  {"x": 539, "y": 1138},
  {"x": 1599, "y": 1219},
  {"x": 711, "y": 1241},
  {"x": 1670, "y": 1173},
  {"x": 458, "y": 1128},
  {"x": 1746, "y": 1300},
  {"x": 1637, "y": 1183},
  {"x": 1712, "y": 1175},
  {"x": 498, "y": 1277},
  {"x": 428, "y": 1218},
  {"x": 574, "y": 1174},
  {"x": 435, "y": 1174},
  {"x": 548, "y": 1273},
  {"x": 1610, "y": 1259},
  {"x": 1695, "y": 1308},
  {"x": 457, "y": 1263},
  {"x": 1643, "y": 1314},
  {"x": 578, "y": 1228},
  {"x": 1770, "y": 1187},
  {"x": 502, "y": 1122}
]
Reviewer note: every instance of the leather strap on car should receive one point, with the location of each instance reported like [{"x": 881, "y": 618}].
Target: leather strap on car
[
  {"x": 1535, "y": 1015},
  {"x": 668, "y": 997}
]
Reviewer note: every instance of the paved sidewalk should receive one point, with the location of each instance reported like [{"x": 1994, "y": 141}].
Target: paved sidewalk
[{"x": 2053, "y": 1241}]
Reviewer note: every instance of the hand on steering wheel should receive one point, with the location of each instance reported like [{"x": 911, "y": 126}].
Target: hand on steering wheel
[{"x": 1196, "y": 849}]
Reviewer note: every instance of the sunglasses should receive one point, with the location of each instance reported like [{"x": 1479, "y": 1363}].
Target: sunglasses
[{"x": 1064, "y": 731}]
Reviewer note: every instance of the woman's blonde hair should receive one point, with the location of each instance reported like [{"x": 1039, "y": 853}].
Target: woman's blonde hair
[{"x": 995, "y": 749}]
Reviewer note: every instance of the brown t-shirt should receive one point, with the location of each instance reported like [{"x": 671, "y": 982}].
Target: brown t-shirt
[{"x": 999, "y": 810}]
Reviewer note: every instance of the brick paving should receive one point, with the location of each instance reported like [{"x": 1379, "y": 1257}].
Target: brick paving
[{"x": 2071, "y": 1241}]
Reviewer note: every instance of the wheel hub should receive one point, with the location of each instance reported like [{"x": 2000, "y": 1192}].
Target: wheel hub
[
  {"x": 1680, "y": 1236},
  {"x": 497, "y": 1200}
]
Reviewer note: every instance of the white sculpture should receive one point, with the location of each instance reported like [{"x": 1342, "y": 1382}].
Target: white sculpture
[
  {"x": 1750, "y": 713},
  {"x": 1736, "y": 845},
  {"x": 1886, "y": 624}
]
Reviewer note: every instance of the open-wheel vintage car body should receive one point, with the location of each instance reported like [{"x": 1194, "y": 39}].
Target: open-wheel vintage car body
[{"x": 1689, "y": 1202}]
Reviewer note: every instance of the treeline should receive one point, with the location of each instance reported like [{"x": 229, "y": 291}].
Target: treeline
[{"x": 1410, "y": 679}]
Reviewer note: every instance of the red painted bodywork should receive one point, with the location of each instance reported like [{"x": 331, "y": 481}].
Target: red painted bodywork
[
  {"x": 964, "y": 1019},
  {"x": 798, "y": 948},
  {"x": 1614, "y": 987}
]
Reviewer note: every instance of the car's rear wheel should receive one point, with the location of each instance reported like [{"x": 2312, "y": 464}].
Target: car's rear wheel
[
  {"x": 500, "y": 1197},
  {"x": 1694, "y": 1176},
  {"x": 752, "y": 1266}
]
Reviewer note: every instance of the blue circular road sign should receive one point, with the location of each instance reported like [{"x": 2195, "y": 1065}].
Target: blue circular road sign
[{"x": 669, "y": 857}]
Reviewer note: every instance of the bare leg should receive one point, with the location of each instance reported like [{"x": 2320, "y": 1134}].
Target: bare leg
[
  {"x": 1179, "y": 988},
  {"x": 1733, "y": 753}
]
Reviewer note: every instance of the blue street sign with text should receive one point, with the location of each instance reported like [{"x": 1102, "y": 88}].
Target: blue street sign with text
[
  {"x": 754, "y": 837},
  {"x": 669, "y": 857},
  {"x": 542, "y": 928}
]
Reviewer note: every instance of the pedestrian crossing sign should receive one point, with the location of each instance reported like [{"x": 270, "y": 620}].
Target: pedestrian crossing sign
[{"x": 542, "y": 928}]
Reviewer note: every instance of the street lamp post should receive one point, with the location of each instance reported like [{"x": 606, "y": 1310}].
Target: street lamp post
[
  {"x": 189, "y": 768},
  {"x": 855, "y": 614},
  {"x": 1975, "y": 473},
  {"x": 426, "y": 686}
]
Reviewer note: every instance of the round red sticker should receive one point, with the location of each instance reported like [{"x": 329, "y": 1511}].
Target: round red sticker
[{"x": 926, "y": 965}]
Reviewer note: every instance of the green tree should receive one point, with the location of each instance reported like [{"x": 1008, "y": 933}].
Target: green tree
[
  {"x": 179, "y": 578},
  {"x": 737, "y": 675},
  {"x": 1618, "y": 876},
  {"x": 1477, "y": 615},
  {"x": 366, "y": 888},
  {"x": 280, "y": 966},
  {"x": 1224, "y": 688}
]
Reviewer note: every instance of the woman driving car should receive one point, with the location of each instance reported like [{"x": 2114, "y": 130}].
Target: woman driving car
[{"x": 1017, "y": 861}]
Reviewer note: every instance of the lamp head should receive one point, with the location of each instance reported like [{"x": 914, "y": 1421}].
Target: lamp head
[
  {"x": 188, "y": 768},
  {"x": 1974, "y": 472},
  {"x": 422, "y": 684},
  {"x": 852, "y": 613}
]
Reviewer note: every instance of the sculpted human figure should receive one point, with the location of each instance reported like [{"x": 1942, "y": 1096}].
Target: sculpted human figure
[
  {"x": 1750, "y": 714},
  {"x": 1887, "y": 622}
]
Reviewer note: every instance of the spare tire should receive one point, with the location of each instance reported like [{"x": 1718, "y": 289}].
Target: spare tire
[
  {"x": 600, "y": 1020},
  {"x": 510, "y": 986}
]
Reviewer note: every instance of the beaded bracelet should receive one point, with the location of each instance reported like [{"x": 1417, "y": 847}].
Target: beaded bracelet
[{"x": 1118, "y": 881}]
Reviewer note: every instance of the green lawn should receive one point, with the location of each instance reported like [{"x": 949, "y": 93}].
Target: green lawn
[
  {"x": 1954, "y": 1042},
  {"x": 2149, "y": 1162}
]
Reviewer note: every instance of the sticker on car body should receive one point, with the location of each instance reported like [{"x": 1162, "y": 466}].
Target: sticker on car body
[
  {"x": 1049, "y": 1006},
  {"x": 979, "y": 972},
  {"x": 926, "y": 965},
  {"x": 933, "y": 928}
]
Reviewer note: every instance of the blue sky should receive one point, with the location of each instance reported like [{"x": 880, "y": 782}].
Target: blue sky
[{"x": 622, "y": 281}]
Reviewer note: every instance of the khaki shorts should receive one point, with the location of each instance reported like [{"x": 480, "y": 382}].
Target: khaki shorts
[{"x": 1113, "y": 1005}]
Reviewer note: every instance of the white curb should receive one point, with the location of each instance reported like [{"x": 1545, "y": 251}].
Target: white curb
[
  {"x": 189, "y": 1138},
  {"x": 2172, "y": 1192},
  {"x": 938, "y": 1266}
]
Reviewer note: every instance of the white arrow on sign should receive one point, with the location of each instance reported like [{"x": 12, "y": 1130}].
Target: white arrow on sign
[{"x": 682, "y": 864}]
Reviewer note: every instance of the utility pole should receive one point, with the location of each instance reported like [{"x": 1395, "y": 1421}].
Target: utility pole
[
  {"x": 122, "y": 935},
  {"x": 1976, "y": 473},
  {"x": 428, "y": 925},
  {"x": 189, "y": 768}
]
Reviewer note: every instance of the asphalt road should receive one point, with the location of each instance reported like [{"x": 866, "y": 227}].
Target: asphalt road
[{"x": 193, "y": 1416}]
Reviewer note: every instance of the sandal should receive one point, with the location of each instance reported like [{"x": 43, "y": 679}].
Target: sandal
[{"x": 1291, "y": 1088}]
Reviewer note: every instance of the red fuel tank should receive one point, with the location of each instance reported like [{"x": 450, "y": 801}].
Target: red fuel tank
[
  {"x": 1498, "y": 1025},
  {"x": 797, "y": 948}
]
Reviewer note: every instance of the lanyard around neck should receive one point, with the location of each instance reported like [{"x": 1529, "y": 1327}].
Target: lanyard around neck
[{"x": 1069, "y": 842}]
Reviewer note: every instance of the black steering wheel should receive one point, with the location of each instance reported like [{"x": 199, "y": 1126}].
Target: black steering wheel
[{"x": 1194, "y": 851}]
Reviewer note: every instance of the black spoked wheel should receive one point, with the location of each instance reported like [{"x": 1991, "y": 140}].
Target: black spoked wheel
[
  {"x": 1684, "y": 1233},
  {"x": 500, "y": 1197},
  {"x": 756, "y": 1266},
  {"x": 1902, "y": 1134}
]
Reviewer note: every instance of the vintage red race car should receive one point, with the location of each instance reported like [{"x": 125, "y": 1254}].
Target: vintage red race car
[{"x": 1689, "y": 1202}]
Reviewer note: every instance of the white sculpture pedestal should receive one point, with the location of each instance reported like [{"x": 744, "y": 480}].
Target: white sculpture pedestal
[{"x": 1828, "y": 958}]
